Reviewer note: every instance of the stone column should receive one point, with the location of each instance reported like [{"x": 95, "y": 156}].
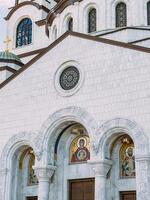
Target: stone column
[
  {"x": 44, "y": 175},
  {"x": 3, "y": 192},
  {"x": 100, "y": 168},
  {"x": 143, "y": 178}
]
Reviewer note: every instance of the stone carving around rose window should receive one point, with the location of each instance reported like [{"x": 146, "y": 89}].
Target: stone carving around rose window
[{"x": 69, "y": 78}]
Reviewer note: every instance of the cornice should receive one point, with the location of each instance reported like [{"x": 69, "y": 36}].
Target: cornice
[
  {"x": 141, "y": 40},
  {"x": 18, "y": 6},
  {"x": 31, "y": 53},
  {"x": 58, "y": 8},
  {"x": 7, "y": 69},
  {"x": 122, "y": 29},
  {"x": 11, "y": 61},
  {"x": 41, "y": 22}
]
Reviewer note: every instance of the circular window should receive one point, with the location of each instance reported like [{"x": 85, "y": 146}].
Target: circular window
[{"x": 69, "y": 78}]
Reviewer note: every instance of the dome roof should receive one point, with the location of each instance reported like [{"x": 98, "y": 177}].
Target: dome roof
[{"x": 8, "y": 56}]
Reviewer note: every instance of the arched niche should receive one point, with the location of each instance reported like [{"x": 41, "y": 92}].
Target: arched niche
[
  {"x": 56, "y": 124},
  {"x": 10, "y": 161}
]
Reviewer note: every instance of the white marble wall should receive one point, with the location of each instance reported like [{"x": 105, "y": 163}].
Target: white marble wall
[{"x": 105, "y": 20}]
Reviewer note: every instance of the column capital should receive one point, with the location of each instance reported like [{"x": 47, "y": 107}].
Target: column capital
[
  {"x": 142, "y": 158},
  {"x": 3, "y": 171},
  {"x": 101, "y": 167},
  {"x": 44, "y": 172}
]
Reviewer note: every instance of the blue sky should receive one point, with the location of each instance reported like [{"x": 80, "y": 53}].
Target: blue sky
[{"x": 4, "y": 5}]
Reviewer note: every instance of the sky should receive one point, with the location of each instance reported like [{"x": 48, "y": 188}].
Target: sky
[{"x": 4, "y": 5}]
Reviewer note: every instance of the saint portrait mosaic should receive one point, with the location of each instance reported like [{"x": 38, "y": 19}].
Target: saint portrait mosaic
[
  {"x": 127, "y": 161},
  {"x": 80, "y": 149},
  {"x": 32, "y": 178}
]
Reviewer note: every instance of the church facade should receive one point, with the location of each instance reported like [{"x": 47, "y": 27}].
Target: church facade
[{"x": 75, "y": 101}]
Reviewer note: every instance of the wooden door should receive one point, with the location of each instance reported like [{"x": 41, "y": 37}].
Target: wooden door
[
  {"x": 32, "y": 198},
  {"x": 131, "y": 195},
  {"x": 81, "y": 189}
]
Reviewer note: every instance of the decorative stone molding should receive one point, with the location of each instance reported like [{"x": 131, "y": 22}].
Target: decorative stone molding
[
  {"x": 143, "y": 178},
  {"x": 101, "y": 167},
  {"x": 3, "y": 171},
  {"x": 57, "y": 9},
  {"x": 112, "y": 128},
  {"x": 44, "y": 173},
  {"x": 15, "y": 143},
  {"x": 47, "y": 133},
  {"x": 58, "y": 74},
  {"x": 25, "y": 3},
  {"x": 144, "y": 158}
]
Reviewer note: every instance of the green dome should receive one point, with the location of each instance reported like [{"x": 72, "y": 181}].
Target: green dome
[{"x": 6, "y": 55}]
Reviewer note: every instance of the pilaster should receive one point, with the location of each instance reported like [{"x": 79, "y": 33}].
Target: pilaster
[
  {"x": 101, "y": 169},
  {"x": 44, "y": 175},
  {"x": 143, "y": 177}
]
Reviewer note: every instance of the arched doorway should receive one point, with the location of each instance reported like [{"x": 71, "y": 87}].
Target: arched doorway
[
  {"x": 24, "y": 183},
  {"x": 121, "y": 179},
  {"x": 17, "y": 160},
  {"x": 114, "y": 134},
  {"x": 73, "y": 178}
]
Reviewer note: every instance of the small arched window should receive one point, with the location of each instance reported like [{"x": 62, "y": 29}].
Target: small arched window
[
  {"x": 148, "y": 13},
  {"x": 121, "y": 15},
  {"x": 70, "y": 24},
  {"x": 24, "y": 33},
  {"x": 92, "y": 20}
]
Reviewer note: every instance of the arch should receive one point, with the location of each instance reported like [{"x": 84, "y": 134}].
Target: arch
[
  {"x": 12, "y": 147},
  {"x": 25, "y": 3},
  {"x": 112, "y": 14},
  {"x": 24, "y": 32},
  {"x": 70, "y": 24},
  {"x": 121, "y": 14},
  {"x": 16, "y": 142},
  {"x": 148, "y": 13},
  {"x": 68, "y": 18},
  {"x": 112, "y": 129},
  {"x": 59, "y": 120},
  {"x": 58, "y": 9},
  {"x": 16, "y": 25},
  {"x": 88, "y": 7},
  {"x": 92, "y": 20}
]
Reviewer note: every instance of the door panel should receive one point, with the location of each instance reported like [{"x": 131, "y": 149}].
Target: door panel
[
  {"x": 88, "y": 190},
  {"x": 128, "y": 195},
  {"x": 32, "y": 198},
  {"x": 81, "y": 189},
  {"x": 76, "y": 191}
]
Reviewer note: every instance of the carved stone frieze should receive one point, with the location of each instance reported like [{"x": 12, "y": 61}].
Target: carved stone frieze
[
  {"x": 101, "y": 167},
  {"x": 44, "y": 172},
  {"x": 17, "y": 141}
]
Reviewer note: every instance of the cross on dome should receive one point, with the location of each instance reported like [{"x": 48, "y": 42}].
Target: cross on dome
[{"x": 7, "y": 41}]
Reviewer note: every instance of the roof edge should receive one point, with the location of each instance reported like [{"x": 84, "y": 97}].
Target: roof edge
[
  {"x": 76, "y": 34},
  {"x": 12, "y": 61},
  {"x": 17, "y": 6},
  {"x": 123, "y": 28},
  {"x": 8, "y": 69}
]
